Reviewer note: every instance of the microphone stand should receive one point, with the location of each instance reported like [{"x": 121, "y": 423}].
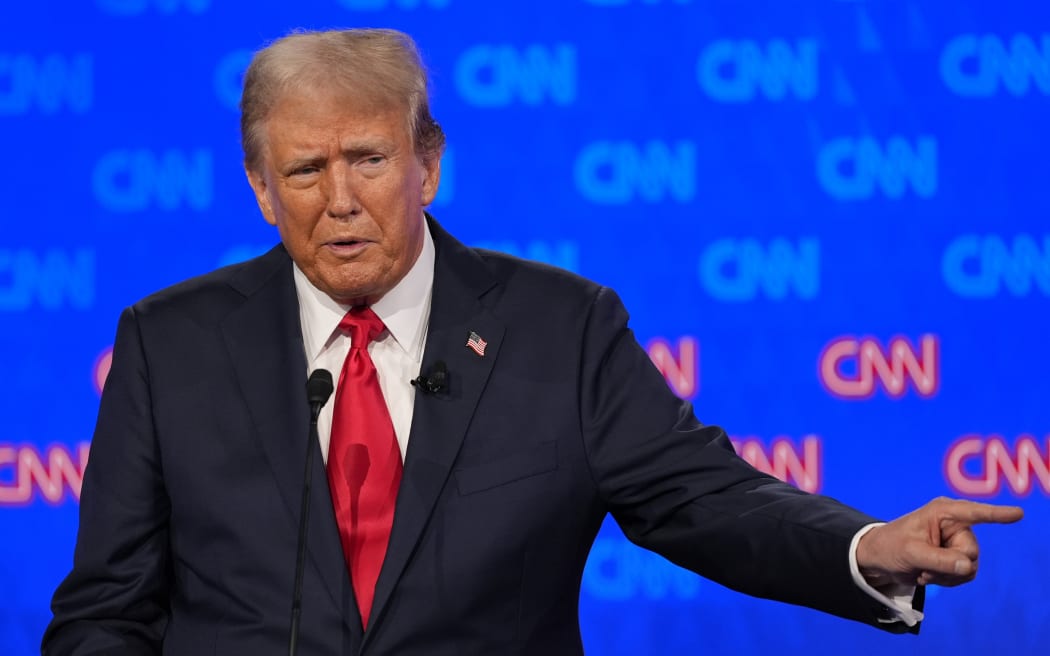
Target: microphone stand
[{"x": 318, "y": 389}]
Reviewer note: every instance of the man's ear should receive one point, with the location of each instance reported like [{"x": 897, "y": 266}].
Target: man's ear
[
  {"x": 431, "y": 178},
  {"x": 258, "y": 183}
]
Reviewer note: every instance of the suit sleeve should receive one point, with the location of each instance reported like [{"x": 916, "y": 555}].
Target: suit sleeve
[
  {"x": 678, "y": 488},
  {"x": 115, "y": 600}
]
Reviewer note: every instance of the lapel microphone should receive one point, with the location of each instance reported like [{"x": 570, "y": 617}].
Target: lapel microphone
[
  {"x": 434, "y": 382},
  {"x": 318, "y": 389}
]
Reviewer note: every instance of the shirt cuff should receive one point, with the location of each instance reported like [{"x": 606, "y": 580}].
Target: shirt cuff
[{"x": 897, "y": 598}]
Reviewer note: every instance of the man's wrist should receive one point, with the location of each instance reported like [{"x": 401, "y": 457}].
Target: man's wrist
[
  {"x": 895, "y": 597},
  {"x": 874, "y": 577}
]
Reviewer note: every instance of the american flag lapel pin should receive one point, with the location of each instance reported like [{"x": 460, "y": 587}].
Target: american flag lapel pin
[{"x": 476, "y": 344}]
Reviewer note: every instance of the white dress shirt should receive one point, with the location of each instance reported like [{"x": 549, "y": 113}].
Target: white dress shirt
[{"x": 398, "y": 354}]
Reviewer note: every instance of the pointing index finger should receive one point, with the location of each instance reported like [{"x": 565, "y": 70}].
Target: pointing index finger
[{"x": 972, "y": 512}]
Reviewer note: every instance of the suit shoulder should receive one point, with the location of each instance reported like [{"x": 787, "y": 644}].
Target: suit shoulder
[
  {"x": 566, "y": 298},
  {"x": 515, "y": 271},
  {"x": 205, "y": 295}
]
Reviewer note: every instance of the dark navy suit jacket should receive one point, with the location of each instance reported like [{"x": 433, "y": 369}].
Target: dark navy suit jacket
[{"x": 190, "y": 502}]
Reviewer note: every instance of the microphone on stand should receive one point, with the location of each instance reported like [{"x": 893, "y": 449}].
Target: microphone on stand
[{"x": 318, "y": 388}]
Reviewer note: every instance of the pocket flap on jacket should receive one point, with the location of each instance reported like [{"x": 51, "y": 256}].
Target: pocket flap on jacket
[{"x": 514, "y": 467}]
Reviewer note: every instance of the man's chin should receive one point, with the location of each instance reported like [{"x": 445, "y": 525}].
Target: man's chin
[{"x": 353, "y": 292}]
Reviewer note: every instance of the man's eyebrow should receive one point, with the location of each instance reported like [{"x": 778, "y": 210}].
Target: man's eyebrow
[
  {"x": 359, "y": 151},
  {"x": 368, "y": 146},
  {"x": 351, "y": 151}
]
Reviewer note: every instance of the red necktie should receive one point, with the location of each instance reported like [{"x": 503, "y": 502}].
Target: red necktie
[{"x": 364, "y": 461}]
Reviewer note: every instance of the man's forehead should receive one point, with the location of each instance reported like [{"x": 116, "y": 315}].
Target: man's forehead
[{"x": 290, "y": 136}]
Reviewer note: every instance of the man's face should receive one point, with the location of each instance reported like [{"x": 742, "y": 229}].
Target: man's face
[{"x": 346, "y": 190}]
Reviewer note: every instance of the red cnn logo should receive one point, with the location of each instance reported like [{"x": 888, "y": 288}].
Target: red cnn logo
[
  {"x": 802, "y": 467},
  {"x": 681, "y": 370},
  {"x": 851, "y": 367},
  {"x": 56, "y": 474},
  {"x": 978, "y": 466}
]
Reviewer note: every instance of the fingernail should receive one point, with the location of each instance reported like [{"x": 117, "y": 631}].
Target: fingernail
[{"x": 962, "y": 567}]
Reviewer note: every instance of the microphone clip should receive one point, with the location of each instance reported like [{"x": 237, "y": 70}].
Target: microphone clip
[{"x": 434, "y": 382}]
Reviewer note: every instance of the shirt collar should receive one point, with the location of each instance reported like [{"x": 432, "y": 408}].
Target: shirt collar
[{"x": 404, "y": 309}]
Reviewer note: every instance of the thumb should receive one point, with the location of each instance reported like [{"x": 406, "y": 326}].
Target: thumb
[{"x": 939, "y": 561}]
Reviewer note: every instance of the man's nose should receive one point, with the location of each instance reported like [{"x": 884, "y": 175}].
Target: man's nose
[{"x": 342, "y": 201}]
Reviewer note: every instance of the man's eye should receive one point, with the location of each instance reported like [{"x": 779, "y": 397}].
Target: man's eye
[
  {"x": 305, "y": 170},
  {"x": 374, "y": 159}
]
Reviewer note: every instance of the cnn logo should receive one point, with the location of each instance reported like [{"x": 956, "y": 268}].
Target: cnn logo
[{"x": 854, "y": 368}]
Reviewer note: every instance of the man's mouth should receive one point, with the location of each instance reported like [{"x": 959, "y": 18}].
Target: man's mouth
[{"x": 346, "y": 247}]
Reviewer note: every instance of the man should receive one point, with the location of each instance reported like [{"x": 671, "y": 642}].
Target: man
[{"x": 451, "y": 519}]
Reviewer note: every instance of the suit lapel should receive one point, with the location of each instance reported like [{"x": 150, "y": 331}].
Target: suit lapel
[
  {"x": 264, "y": 339},
  {"x": 439, "y": 422}
]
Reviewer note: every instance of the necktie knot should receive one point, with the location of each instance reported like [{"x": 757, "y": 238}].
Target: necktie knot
[{"x": 363, "y": 326}]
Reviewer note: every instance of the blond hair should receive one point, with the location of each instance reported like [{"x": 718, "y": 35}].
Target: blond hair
[{"x": 377, "y": 66}]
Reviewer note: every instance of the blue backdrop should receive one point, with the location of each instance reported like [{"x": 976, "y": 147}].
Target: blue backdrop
[{"x": 829, "y": 220}]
